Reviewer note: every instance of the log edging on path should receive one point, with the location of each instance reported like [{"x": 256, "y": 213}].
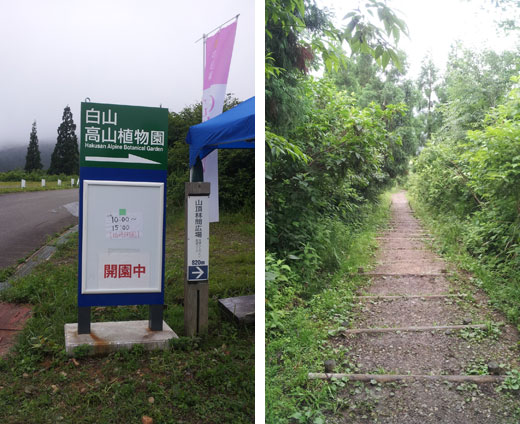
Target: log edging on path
[
  {"x": 409, "y": 296},
  {"x": 389, "y": 378},
  {"x": 403, "y": 329}
]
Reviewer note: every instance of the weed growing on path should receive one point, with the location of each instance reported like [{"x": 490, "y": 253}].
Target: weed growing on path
[
  {"x": 492, "y": 331},
  {"x": 511, "y": 382},
  {"x": 477, "y": 367}
]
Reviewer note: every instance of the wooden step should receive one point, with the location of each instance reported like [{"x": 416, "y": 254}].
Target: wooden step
[
  {"x": 403, "y": 329},
  {"x": 409, "y": 296},
  {"x": 386, "y": 274},
  {"x": 404, "y": 237},
  {"x": 389, "y": 378}
]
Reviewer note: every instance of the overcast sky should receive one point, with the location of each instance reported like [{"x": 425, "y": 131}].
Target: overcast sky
[
  {"x": 134, "y": 52},
  {"x": 434, "y": 25}
]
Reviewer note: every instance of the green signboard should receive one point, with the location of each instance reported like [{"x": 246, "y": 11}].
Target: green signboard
[{"x": 117, "y": 136}]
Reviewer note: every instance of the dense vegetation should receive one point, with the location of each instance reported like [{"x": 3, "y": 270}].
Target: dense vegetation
[
  {"x": 332, "y": 144},
  {"x": 468, "y": 175}
]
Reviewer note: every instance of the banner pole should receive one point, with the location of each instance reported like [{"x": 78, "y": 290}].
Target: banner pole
[
  {"x": 217, "y": 28},
  {"x": 204, "y": 37},
  {"x": 196, "y": 171}
]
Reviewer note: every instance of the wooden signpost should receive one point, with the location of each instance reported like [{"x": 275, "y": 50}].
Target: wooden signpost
[{"x": 196, "y": 258}]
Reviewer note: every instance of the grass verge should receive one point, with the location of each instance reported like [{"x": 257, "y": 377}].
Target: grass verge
[
  {"x": 207, "y": 379},
  {"x": 298, "y": 320},
  {"x": 14, "y": 187},
  {"x": 502, "y": 287}
]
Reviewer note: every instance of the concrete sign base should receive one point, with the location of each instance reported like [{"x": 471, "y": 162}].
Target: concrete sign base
[
  {"x": 241, "y": 309},
  {"x": 107, "y": 337}
]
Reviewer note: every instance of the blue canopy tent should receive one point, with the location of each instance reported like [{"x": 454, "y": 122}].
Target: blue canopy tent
[{"x": 233, "y": 129}]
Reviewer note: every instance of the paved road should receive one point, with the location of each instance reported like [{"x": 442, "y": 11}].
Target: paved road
[{"x": 26, "y": 219}]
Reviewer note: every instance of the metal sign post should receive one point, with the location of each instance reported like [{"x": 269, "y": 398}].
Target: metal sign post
[
  {"x": 196, "y": 258},
  {"x": 123, "y": 170}
]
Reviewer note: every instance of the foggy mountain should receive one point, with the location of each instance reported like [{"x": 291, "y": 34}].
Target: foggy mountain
[{"x": 13, "y": 157}]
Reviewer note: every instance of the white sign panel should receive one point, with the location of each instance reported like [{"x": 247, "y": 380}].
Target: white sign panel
[
  {"x": 198, "y": 238},
  {"x": 122, "y": 237}
]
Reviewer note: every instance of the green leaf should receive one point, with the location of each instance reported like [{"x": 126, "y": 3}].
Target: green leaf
[
  {"x": 298, "y": 416},
  {"x": 270, "y": 276},
  {"x": 385, "y": 59}
]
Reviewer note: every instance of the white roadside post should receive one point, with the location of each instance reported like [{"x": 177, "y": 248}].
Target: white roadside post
[
  {"x": 43, "y": 182},
  {"x": 72, "y": 182},
  {"x": 59, "y": 183},
  {"x": 23, "y": 183}
]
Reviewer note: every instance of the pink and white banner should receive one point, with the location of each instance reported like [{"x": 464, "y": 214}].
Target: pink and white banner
[{"x": 218, "y": 51}]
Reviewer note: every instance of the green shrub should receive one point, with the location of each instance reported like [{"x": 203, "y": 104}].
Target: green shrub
[
  {"x": 323, "y": 174},
  {"x": 470, "y": 188}
]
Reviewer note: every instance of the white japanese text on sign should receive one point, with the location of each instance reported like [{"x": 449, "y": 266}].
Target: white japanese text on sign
[{"x": 102, "y": 131}]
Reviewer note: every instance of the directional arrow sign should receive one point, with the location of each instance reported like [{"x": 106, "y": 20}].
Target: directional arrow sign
[
  {"x": 199, "y": 273},
  {"x": 197, "y": 237},
  {"x": 196, "y": 273},
  {"x": 130, "y": 159},
  {"x": 121, "y": 136}
]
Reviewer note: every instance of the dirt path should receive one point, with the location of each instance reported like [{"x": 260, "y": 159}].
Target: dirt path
[{"x": 405, "y": 266}]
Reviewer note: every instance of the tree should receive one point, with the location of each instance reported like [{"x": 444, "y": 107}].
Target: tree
[
  {"x": 65, "y": 157},
  {"x": 32, "y": 159},
  {"x": 300, "y": 36},
  {"x": 475, "y": 81},
  {"x": 428, "y": 85},
  {"x": 236, "y": 168},
  {"x": 363, "y": 79},
  {"x": 179, "y": 123}
]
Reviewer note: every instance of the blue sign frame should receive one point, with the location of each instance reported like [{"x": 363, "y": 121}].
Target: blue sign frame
[{"x": 119, "y": 174}]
